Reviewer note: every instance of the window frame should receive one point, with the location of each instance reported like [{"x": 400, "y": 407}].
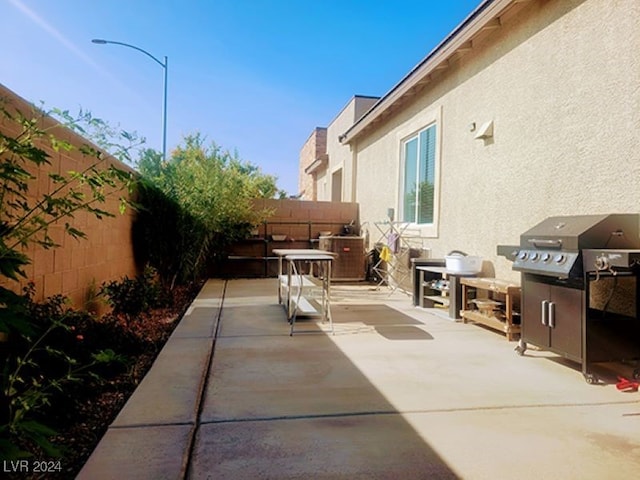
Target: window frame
[{"x": 409, "y": 132}]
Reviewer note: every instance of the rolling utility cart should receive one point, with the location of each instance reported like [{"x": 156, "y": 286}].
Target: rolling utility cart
[{"x": 492, "y": 302}]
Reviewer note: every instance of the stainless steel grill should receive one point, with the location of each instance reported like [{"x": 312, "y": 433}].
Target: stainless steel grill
[
  {"x": 562, "y": 260},
  {"x": 553, "y": 247}
]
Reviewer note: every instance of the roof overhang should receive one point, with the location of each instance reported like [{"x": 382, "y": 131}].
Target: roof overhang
[
  {"x": 484, "y": 19},
  {"x": 317, "y": 164}
]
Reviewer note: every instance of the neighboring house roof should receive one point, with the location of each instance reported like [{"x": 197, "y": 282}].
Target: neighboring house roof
[
  {"x": 358, "y": 113},
  {"x": 485, "y": 18}
]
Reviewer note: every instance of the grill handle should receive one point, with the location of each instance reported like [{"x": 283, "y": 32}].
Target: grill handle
[
  {"x": 544, "y": 317},
  {"x": 537, "y": 242}
]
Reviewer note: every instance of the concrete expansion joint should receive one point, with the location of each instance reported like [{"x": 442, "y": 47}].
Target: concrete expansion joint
[
  {"x": 151, "y": 425},
  {"x": 203, "y": 388},
  {"x": 195, "y": 336},
  {"x": 301, "y": 417},
  {"x": 413, "y": 412},
  {"x": 520, "y": 407},
  {"x": 268, "y": 335}
]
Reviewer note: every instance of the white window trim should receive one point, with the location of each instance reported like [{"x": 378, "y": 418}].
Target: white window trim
[{"x": 411, "y": 128}]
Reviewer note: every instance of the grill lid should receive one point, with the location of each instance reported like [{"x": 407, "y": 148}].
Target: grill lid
[
  {"x": 554, "y": 246},
  {"x": 576, "y": 232}
]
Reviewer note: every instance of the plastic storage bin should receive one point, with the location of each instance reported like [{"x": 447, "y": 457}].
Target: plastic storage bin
[{"x": 459, "y": 263}]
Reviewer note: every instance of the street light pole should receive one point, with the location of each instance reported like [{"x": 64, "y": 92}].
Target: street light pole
[{"x": 165, "y": 66}]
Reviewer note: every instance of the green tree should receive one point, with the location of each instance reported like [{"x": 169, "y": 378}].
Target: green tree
[
  {"x": 118, "y": 143},
  {"x": 210, "y": 192}
]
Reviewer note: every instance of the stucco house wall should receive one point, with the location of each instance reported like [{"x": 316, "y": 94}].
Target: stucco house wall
[
  {"x": 323, "y": 155},
  {"x": 341, "y": 157},
  {"x": 323, "y": 184},
  {"x": 559, "y": 79}
]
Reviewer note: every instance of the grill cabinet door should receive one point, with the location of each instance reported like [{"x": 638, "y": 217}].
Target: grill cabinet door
[
  {"x": 533, "y": 330},
  {"x": 566, "y": 329},
  {"x": 552, "y": 318}
]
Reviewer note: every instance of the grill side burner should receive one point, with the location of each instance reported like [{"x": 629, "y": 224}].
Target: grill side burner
[
  {"x": 612, "y": 261},
  {"x": 561, "y": 261}
]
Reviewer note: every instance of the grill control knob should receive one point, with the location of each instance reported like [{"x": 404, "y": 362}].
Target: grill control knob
[
  {"x": 522, "y": 255},
  {"x": 560, "y": 258},
  {"x": 534, "y": 256},
  {"x": 546, "y": 257}
]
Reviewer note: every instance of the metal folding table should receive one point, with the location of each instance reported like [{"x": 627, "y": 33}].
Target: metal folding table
[{"x": 305, "y": 294}]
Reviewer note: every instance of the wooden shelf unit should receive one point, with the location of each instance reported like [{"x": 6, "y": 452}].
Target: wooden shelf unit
[{"x": 492, "y": 302}]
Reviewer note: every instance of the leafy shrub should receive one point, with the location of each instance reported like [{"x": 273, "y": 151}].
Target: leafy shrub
[
  {"x": 208, "y": 204},
  {"x": 44, "y": 369},
  {"x": 46, "y": 360},
  {"x": 132, "y": 297},
  {"x": 155, "y": 233}
]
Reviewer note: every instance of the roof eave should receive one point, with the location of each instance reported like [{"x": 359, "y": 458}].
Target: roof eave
[{"x": 485, "y": 17}]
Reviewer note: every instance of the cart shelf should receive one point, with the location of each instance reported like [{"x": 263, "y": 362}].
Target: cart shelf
[
  {"x": 496, "y": 304},
  {"x": 438, "y": 299}
]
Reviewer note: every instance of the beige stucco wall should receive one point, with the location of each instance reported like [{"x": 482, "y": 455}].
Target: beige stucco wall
[
  {"x": 341, "y": 156},
  {"x": 560, "y": 81},
  {"x": 323, "y": 185}
]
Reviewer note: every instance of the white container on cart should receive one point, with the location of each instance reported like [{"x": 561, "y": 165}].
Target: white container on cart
[{"x": 461, "y": 263}]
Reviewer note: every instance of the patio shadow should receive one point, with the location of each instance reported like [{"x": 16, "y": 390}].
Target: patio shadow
[
  {"x": 371, "y": 314},
  {"x": 297, "y": 407},
  {"x": 402, "y": 332}
]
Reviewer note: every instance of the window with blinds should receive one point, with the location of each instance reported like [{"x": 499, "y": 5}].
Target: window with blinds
[{"x": 418, "y": 184}]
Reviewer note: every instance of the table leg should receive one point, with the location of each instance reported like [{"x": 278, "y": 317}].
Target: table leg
[
  {"x": 279, "y": 279},
  {"x": 289, "y": 288}
]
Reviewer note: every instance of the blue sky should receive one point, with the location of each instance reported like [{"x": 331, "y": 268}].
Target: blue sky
[{"x": 255, "y": 76}]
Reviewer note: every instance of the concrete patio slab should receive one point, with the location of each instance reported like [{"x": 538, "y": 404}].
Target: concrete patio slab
[
  {"x": 242, "y": 320},
  {"x": 213, "y": 289},
  {"x": 272, "y": 377},
  {"x": 472, "y": 444},
  {"x": 138, "y": 453},
  {"x": 353, "y": 447},
  {"x": 396, "y": 392},
  {"x": 170, "y": 392},
  {"x": 198, "y": 322},
  {"x": 592, "y": 442}
]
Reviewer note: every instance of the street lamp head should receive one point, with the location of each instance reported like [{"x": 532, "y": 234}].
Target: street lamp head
[{"x": 165, "y": 67}]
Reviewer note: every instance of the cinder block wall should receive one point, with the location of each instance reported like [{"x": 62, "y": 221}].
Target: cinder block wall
[
  {"x": 106, "y": 254},
  {"x": 323, "y": 216},
  {"x": 299, "y": 221}
]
